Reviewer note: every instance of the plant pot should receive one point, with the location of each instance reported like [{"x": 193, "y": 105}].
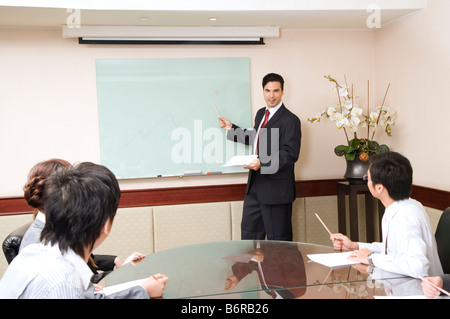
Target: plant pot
[{"x": 356, "y": 170}]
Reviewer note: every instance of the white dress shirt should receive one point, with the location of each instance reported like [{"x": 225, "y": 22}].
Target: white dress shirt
[
  {"x": 272, "y": 111},
  {"x": 409, "y": 246},
  {"x": 43, "y": 272}
]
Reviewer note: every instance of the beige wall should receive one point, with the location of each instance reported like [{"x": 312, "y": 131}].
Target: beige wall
[
  {"x": 48, "y": 100},
  {"x": 48, "y": 90},
  {"x": 414, "y": 55}
]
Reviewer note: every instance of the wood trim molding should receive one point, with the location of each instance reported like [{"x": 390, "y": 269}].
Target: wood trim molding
[
  {"x": 14, "y": 206},
  {"x": 182, "y": 195},
  {"x": 434, "y": 198},
  {"x": 430, "y": 197}
]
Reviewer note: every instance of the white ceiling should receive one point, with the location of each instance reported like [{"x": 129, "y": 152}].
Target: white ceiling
[{"x": 286, "y": 14}]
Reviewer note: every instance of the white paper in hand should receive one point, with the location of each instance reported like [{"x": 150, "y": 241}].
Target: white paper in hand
[
  {"x": 240, "y": 160},
  {"x": 119, "y": 287}
]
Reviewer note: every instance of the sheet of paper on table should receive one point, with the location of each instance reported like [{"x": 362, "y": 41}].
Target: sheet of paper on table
[
  {"x": 333, "y": 260},
  {"x": 240, "y": 160},
  {"x": 116, "y": 288}
]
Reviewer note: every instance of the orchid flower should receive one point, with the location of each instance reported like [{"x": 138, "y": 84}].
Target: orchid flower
[{"x": 349, "y": 116}]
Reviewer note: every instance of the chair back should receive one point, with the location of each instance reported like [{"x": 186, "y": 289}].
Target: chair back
[
  {"x": 12, "y": 242},
  {"x": 443, "y": 240}
]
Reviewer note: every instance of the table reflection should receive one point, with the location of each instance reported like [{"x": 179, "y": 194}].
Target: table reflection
[
  {"x": 395, "y": 286},
  {"x": 279, "y": 267},
  {"x": 259, "y": 269}
]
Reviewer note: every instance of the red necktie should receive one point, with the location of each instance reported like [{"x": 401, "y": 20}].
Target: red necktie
[{"x": 266, "y": 118}]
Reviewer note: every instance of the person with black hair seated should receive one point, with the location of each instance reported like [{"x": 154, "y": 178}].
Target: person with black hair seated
[
  {"x": 408, "y": 245},
  {"x": 81, "y": 202},
  {"x": 33, "y": 193}
]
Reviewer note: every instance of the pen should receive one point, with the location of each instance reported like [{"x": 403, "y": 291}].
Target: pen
[{"x": 213, "y": 173}]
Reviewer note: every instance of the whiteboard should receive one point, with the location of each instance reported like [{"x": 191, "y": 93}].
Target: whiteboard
[{"x": 157, "y": 116}]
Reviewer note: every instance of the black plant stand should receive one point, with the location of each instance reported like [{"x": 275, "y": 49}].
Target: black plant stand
[{"x": 351, "y": 189}]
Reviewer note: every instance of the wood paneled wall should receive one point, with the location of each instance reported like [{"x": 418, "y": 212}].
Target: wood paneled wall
[{"x": 429, "y": 197}]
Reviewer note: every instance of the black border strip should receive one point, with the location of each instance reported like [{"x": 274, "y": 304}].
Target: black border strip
[{"x": 221, "y": 42}]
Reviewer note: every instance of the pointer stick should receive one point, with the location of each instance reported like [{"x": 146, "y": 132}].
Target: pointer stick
[
  {"x": 325, "y": 280},
  {"x": 438, "y": 288},
  {"x": 324, "y": 225},
  {"x": 216, "y": 110}
]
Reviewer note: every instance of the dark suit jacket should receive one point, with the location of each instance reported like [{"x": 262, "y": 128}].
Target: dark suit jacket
[{"x": 279, "y": 148}]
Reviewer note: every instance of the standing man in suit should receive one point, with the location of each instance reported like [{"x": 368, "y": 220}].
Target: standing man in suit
[{"x": 271, "y": 182}]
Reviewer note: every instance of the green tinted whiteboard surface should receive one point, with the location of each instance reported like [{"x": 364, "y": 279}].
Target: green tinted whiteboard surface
[{"x": 157, "y": 116}]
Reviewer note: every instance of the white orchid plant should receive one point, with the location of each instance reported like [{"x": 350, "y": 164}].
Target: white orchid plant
[{"x": 348, "y": 116}]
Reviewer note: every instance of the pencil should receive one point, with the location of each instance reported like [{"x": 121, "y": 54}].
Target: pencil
[
  {"x": 216, "y": 110},
  {"x": 324, "y": 225},
  {"x": 438, "y": 288}
]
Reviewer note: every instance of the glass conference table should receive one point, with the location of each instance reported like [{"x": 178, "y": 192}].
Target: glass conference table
[{"x": 261, "y": 270}]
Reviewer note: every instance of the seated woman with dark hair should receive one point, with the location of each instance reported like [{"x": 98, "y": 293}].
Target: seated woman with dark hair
[
  {"x": 80, "y": 205},
  {"x": 33, "y": 193}
]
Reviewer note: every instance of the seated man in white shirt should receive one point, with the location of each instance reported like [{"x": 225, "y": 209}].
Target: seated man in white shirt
[
  {"x": 408, "y": 246},
  {"x": 101, "y": 265},
  {"x": 81, "y": 203}
]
